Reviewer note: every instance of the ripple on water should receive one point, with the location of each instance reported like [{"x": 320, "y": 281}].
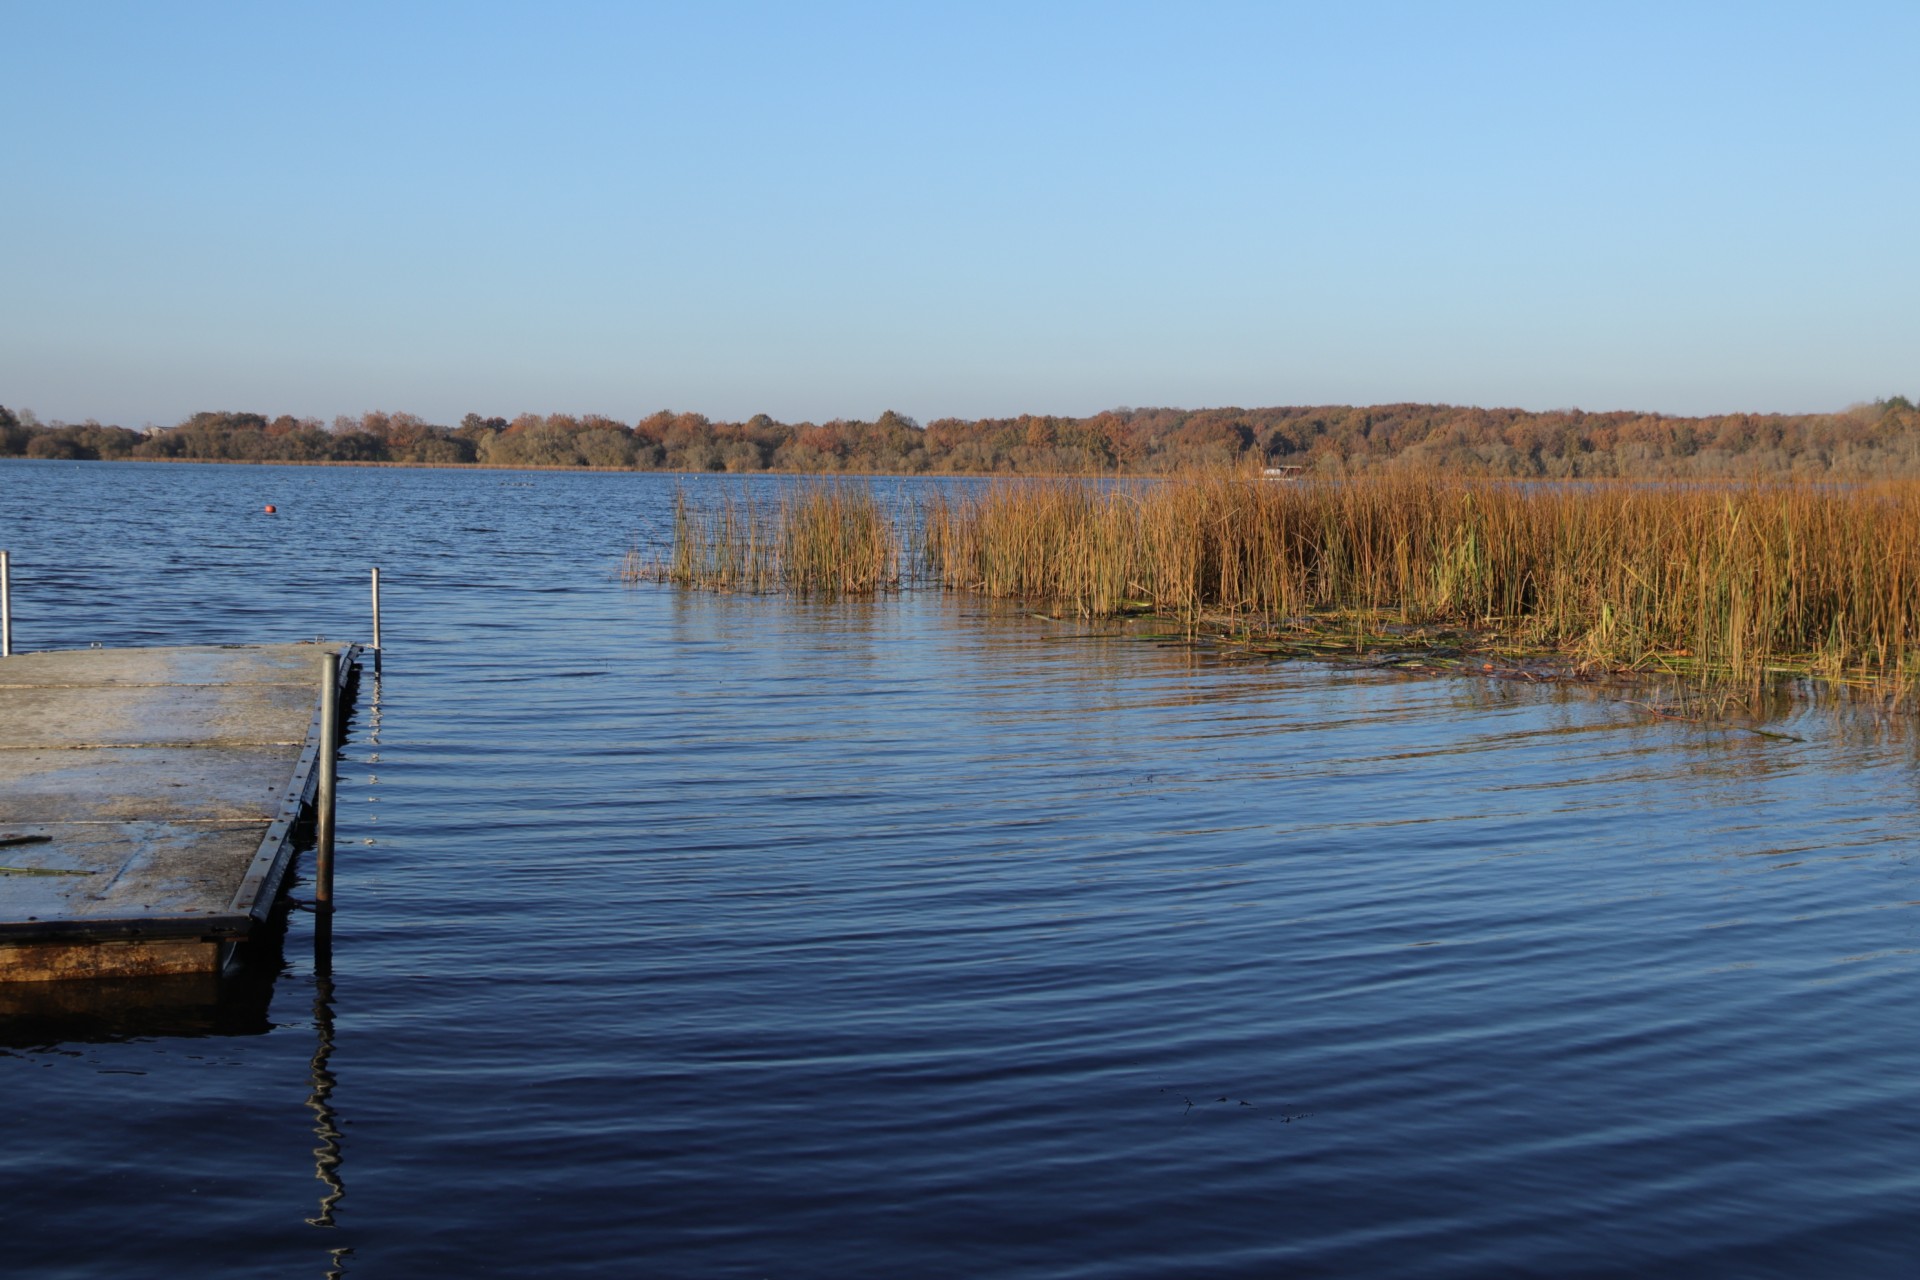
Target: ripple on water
[{"x": 713, "y": 936}]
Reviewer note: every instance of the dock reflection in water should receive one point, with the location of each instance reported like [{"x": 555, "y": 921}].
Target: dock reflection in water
[
  {"x": 326, "y": 1123},
  {"x": 189, "y": 1005}
]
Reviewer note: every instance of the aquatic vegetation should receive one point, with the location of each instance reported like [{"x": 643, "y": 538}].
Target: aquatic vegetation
[
  {"x": 827, "y": 538},
  {"x": 1726, "y": 584},
  {"x": 835, "y": 538}
]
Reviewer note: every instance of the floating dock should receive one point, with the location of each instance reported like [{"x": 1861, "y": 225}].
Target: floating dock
[{"x": 148, "y": 802}]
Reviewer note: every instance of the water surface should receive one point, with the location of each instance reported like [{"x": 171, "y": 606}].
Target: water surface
[{"x": 685, "y": 935}]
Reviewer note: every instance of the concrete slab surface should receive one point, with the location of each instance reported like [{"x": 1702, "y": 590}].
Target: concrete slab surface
[
  {"x": 221, "y": 664},
  {"x": 138, "y": 786}
]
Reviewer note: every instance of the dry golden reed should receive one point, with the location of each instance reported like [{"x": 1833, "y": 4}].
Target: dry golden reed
[
  {"x": 1732, "y": 581},
  {"x": 1724, "y": 582},
  {"x": 819, "y": 539}
]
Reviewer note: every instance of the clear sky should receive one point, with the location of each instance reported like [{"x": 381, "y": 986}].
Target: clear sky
[{"x": 818, "y": 211}]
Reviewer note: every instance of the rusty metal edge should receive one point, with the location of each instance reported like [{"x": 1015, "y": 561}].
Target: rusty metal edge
[
  {"x": 254, "y": 899},
  {"x": 209, "y": 928}
]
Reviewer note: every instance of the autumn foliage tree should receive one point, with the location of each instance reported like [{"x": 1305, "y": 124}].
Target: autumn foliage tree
[{"x": 1881, "y": 438}]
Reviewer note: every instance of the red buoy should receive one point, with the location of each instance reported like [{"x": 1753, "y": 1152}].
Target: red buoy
[{"x": 269, "y": 508}]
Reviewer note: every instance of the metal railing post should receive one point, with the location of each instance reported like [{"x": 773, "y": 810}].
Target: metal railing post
[
  {"x": 323, "y": 813},
  {"x": 376, "y": 617},
  {"x": 6, "y": 604}
]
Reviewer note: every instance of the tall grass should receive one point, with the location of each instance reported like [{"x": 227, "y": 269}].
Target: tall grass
[
  {"x": 819, "y": 539},
  {"x": 1736, "y": 581},
  {"x": 1723, "y": 582},
  {"x": 836, "y": 539}
]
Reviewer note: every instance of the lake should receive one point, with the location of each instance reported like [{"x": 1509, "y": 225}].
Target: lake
[{"x": 690, "y": 935}]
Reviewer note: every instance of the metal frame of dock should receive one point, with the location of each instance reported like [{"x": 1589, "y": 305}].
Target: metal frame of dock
[{"x": 58, "y": 774}]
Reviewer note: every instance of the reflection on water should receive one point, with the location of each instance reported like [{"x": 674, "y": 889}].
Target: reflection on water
[
  {"x": 326, "y": 1125},
  {"x": 719, "y": 936},
  {"x": 34, "y": 1014}
]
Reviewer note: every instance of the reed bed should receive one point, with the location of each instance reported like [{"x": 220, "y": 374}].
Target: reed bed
[
  {"x": 826, "y": 539},
  {"x": 1723, "y": 584}
]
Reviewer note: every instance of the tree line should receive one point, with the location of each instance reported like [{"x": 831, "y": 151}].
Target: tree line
[{"x": 1881, "y": 438}]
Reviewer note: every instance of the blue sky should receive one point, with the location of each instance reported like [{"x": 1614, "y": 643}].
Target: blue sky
[{"x": 817, "y": 211}]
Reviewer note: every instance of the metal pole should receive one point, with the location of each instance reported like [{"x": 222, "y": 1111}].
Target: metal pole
[
  {"x": 6, "y": 604},
  {"x": 323, "y": 817},
  {"x": 376, "y": 617}
]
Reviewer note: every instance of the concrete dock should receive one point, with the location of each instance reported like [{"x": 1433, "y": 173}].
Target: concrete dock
[{"x": 148, "y": 800}]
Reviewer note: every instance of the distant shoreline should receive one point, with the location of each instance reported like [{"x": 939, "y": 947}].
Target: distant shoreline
[
  {"x": 1876, "y": 440},
  {"x": 616, "y": 471}
]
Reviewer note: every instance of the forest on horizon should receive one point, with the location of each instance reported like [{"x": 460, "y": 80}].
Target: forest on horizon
[{"x": 1876, "y": 439}]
